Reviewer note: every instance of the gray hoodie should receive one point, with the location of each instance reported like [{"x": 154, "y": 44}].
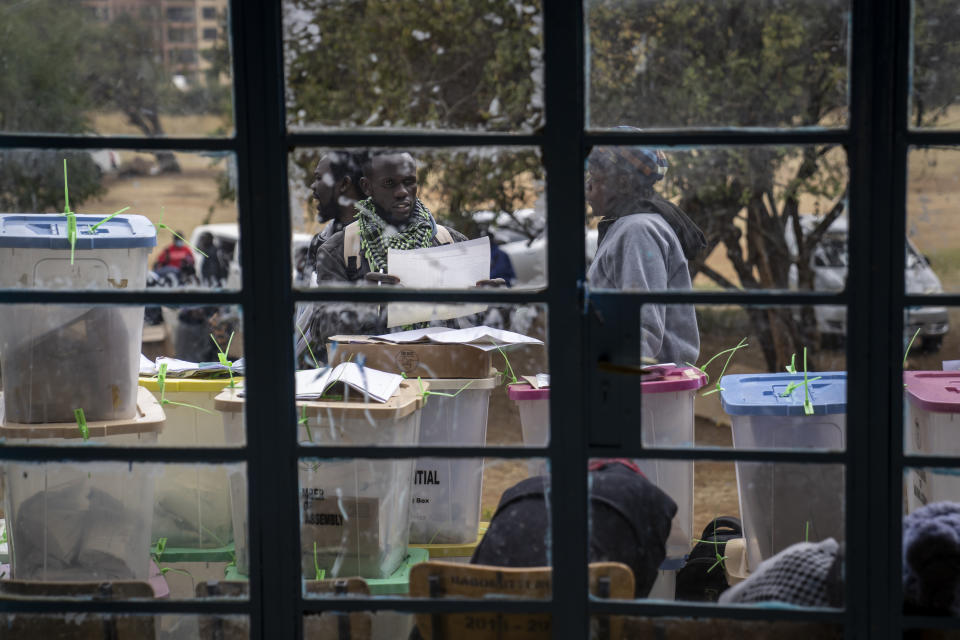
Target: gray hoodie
[{"x": 640, "y": 252}]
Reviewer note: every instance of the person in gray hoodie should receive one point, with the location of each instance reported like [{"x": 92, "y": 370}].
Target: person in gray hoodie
[{"x": 643, "y": 244}]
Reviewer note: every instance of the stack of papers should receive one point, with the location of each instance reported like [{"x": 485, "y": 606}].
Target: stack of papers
[
  {"x": 377, "y": 385},
  {"x": 484, "y": 338},
  {"x": 539, "y": 381},
  {"x": 185, "y": 369}
]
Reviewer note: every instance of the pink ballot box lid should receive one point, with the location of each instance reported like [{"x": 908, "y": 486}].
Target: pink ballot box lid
[
  {"x": 669, "y": 378},
  {"x": 521, "y": 391},
  {"x": 937, "y": 391}
]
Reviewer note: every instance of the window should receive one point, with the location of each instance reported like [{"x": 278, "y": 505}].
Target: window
[
  {"x": 181, "y": 35},
  {"x": 859, "y": 161},
  {"x": 183, "y": 56},
  {"x": 209, "y": 34},
  {"x": 209, "y": 13},
  {"x": 180, "y": 14}
]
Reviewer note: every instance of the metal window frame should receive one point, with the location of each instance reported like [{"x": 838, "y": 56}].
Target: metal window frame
[{"x": 876, "y": 140}]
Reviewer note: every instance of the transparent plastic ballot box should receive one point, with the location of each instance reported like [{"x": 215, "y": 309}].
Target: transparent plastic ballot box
[
  {"x": 82, "y": 521},
  {"x": 58, "y": 357},
  {"x": 357, "y": 511},
  {"x": 785, "y": 503}
]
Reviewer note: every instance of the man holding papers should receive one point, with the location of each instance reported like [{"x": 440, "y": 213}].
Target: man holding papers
[
  {"x": 389, "y": 222},
  {"x": 391, "y": 216}
]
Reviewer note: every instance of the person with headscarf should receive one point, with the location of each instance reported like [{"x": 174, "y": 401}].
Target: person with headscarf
[{"x": 644, "y": 243}]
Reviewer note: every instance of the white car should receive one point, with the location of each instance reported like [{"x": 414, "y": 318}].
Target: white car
[
  {"x": 227, "y": 236},
  {"x": 829, "y": 263}
]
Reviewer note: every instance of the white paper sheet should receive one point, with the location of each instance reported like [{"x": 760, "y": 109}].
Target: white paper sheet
[
  {"x": 379, "y": 385},
  {"x": 482, "y": 337},
  {"x": 147, "y": 368},
  {"x": 450, "y": 266}
]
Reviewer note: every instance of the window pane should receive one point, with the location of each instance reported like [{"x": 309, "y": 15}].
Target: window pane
[
  {"x": 930, "y": 507},
  {"x": 719, "y": 218},
  {"x": 635, "y": 628},
  {"x": 706, "y": 63},
  {"x": 929, "y": 379},
  {"x": 379, "y": 519},
  {"x": 493, "y": 390},
  {"x": 58, "y": 360},
  {"x": 69, "y": 626},
  {"x": 120, "y": 77},
  {"x": 175, "y": 225},
  {"x": 474, "y": 193},
  {"x": 683, "y": 538},
  {"x": 934, "y": 74},
  {"x": 474, "y": 66},
  {"x": 150, "y": 530},
  {"x": 704, "y": 369},
  {"x": 932, "y": 251}
]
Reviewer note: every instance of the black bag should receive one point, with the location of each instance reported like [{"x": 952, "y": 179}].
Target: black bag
[{"x": 702, "y": 578}]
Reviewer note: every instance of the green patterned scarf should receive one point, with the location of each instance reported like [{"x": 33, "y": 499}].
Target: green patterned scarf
[{"x": 416, "y": 234}]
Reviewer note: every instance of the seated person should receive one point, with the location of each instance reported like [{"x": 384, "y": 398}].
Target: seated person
[{"x": 630, "y": 521}]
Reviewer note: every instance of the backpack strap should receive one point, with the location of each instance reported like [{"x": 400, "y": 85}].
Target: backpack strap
[
  {"x": 351, "y": 243},
  {"x": 351, "y": 248}
]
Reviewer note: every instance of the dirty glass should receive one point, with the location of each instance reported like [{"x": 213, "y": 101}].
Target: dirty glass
[
  {"x": 932, "y": 252},
  {"x": 143, "y": 530},
  {"x": 736, "y": 217},
  {"x": 482, "y": 378},
  {"x": 934, "y": 82},
  {"x": 105, "y": 68},
  {"x": 491, "y": 195},
  {"x": 688, "y": 530},
  {"x": 753, "y": 377},
  {"x": 380, "y": 518},
  {"x": 118, "y": 219},
  {"x": 474, "y": 66},
  {"x": 97, "y": 625},
  {"x": 138, "y": 375},
  {"x": 704, "y": 63}
]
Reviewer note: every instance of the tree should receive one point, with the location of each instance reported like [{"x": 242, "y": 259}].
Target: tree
[
  {"x": 124, "y": 71},
  {"x": 733, "y": 62},
  {"x": 39, "y": 92},
  {"x": 458, "y": 64}
]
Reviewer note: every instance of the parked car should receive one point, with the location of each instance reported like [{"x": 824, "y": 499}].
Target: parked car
[
  {"x": 829, "y": 262},
  {"x": 227, "y": 235}
]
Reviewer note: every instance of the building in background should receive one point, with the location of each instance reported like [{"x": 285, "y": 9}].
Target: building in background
[{"x": 182, "y": 29}]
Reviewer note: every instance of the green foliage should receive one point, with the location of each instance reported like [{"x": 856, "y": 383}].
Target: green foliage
[
  {"x": 31, "y": 181},
  {"x": 439, "y": 65},
  {"x": 936, "y": 57}
]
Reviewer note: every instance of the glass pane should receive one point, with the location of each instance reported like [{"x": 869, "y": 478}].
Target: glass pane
[
  {"x": 363, "y": 624},
  {"x": 96, "y": 625},
  {"x": 175, "y": 222},
  {"x": 683, "y": 538},
  {"x": 493, "y": 196},
  {"x": 934, "y": 78},
  {"x": 106, "y": 374},
  {"x": 99, "y": 67},
  {"x": 932, "y": 252},
  {"x": 145, "y": 530},
  {"x": 930, "y": 380},
  {"x": 718, "y": 376},
  {"x": 931, "y": 508},
  {"x": 706, "y": 63},
  {"x": 635, "y": 627},
  {"x": 485, "y": 383},
  {"x": 717, "y": 218},
  {"x": 475, "y": 66},
  {"x": 379, "y": 519}
]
